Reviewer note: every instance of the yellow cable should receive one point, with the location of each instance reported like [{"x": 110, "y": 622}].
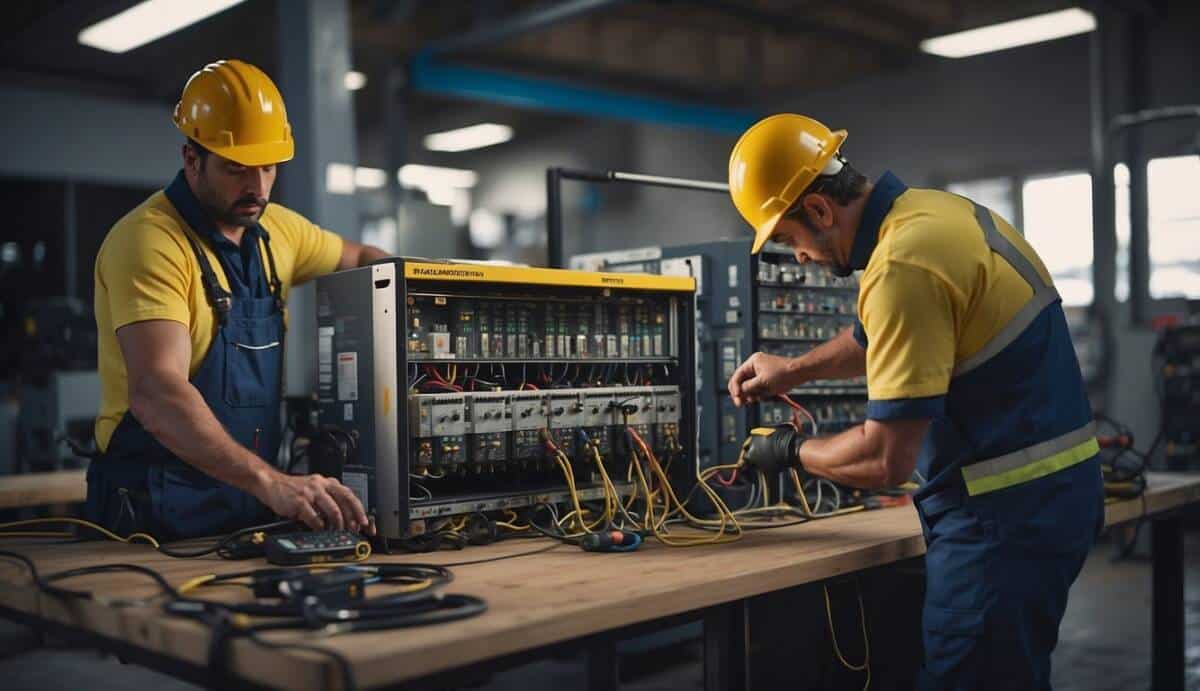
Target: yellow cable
[
  {"x": 415, "y": 585},
  {"x": 669, "y": 496},
  {"x": 32, "y": 533},
  {"x": 658, "y": 470},
  {"x": 862, "y": 617},
  {"x": 87, "y": 524},
  {"x": 511, "y": 523},
  {"x": 808, "y": 512},
  {"x": 612, "y": 500},
  {"x": 565, "y": 465},
  {"x": 193, "y": 583}
]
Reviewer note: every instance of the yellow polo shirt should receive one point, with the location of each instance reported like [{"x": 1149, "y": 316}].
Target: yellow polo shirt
[
  {"x": 146, "y": 270},
  {"x": 933, "y": 293}
]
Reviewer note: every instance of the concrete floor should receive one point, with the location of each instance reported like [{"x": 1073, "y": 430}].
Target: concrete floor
[{"x": 1104, "y": 644}]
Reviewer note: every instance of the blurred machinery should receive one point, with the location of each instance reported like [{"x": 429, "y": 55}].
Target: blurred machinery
[
  {"x": 1087, "y": 335},
  {"x": 1177, "y": 365},
  {"x": 451, "y": 389},
  {"x": 57, "y": 386}
]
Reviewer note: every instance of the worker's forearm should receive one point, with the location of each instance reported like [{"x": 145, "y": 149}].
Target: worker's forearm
[
  {"x": 841, "y": 357},
  {"x": 201, "y": 441},
  {"x": 848, "y": 458}
]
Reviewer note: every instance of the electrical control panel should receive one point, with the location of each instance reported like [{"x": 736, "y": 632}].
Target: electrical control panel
[
  {"x": 466, "y": 387},
  {"x": 746, "y": 303}
]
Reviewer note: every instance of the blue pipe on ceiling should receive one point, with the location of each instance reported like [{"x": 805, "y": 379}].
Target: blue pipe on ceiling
[{"x": 431, "y": 75}]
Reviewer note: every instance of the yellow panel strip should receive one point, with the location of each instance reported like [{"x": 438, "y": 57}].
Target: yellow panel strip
[
  {"x": 1032, "y": 471},
  {"x": 475, "y": 273}
]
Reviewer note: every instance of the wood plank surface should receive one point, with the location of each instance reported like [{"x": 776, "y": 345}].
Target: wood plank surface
[
  {"x": 38, "y": 489},
  {"x": 533, "y": 601}
]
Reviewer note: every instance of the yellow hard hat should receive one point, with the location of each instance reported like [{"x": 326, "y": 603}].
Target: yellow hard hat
[
  {"x": 773, "y": 163},
  {"x": 233, "y": 109}
]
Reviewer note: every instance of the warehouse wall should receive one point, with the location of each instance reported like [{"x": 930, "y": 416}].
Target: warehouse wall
[
  {"x": 513, "y": 178},
  {"x": 72, "y": 136}
]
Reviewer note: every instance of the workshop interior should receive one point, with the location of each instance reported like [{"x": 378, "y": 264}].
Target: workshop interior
[{"x": 535, "y": 380}]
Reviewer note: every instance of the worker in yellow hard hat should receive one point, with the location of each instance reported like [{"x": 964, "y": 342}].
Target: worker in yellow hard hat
[
  {"x": 973, "y": 386},
  {"x": 190, "y": 294}
]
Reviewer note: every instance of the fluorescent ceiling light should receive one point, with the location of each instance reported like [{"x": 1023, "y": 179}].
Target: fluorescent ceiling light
[
  {"x": 370, "y": 178},
  {"x": 467, "y": 138},
  {"x": 354, "y": 80},
  {"x": 149, "y": 21},
  {"x": 424, "y": 177},
  {"x": 1019, "y": 32}
]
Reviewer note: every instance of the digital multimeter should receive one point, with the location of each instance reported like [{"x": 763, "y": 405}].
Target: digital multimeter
[{"x": 291, "y": 549}]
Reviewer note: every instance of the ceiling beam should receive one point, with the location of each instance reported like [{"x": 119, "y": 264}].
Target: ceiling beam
[
  {"x": 794, "y": 23},
  {"x": 593, "y": 75},
  {"x": 523, "y": 22}
]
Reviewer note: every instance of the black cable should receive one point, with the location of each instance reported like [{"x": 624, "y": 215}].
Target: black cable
[
  {"x": 343, "y": 665},
  {"x": 228, "y": 547},
  {"x": 548, "y": 533},
  {"x": 420, "y": 607},
  {"x": 489, "y": 560},
  {"x": 754, "y": 526},
  {"x": 271, "y": 581},
  {"x": 33, "y": 570},
  {"x": 439, "y": 610},
  {"x": 224, "y": 631},
  {"x": 44, "y": 583}
]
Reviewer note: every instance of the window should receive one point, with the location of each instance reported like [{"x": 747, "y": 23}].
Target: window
[
  {"x": 1058, "y": 223},
  {"x": 994, "y": 193},
  {"x": 1174, "y": 201},
  {"x": 1122, "y": 218}
]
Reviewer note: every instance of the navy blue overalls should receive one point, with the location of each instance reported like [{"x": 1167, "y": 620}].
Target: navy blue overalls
[
  {"x": 1011, "y": 498},
  {"x": 1014, "y": 499},
  {"x": 137, "y": 484}
]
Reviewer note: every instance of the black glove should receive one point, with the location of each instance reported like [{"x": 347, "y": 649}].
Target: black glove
[{"x": 772, "y": 449}]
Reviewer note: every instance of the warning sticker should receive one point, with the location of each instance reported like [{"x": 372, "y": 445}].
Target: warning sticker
[
  {"x": 357, "y": 483},
  {"x": 325, "y": 356},
  {"x": 347, "y": 376}
]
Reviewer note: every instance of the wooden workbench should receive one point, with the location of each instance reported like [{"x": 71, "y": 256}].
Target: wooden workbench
[
  {"x": 39, "y": 489},
  {"x": 534, "y": 601}
]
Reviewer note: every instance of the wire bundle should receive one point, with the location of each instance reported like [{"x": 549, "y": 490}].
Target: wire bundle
[
  {"x": 757, "y": 506},
  {"x": 417, "y": 600},
  {"x": 662, "y": 504}
]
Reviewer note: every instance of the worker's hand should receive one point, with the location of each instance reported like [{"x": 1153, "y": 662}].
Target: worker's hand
[
  {"x": 762, "y": 376},
  {"x": 772, "y": 449},
  {"x": 317, "y": 501}
]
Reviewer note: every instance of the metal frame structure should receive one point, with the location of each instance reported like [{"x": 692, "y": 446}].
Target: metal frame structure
[{"x": 554, "y": 210}]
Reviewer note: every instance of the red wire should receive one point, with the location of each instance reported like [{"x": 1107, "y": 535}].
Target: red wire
[
  {"x": 797, "y": 421},
  {"x": 732, "y": 478},
  {"x": 433, "y": 373}
]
